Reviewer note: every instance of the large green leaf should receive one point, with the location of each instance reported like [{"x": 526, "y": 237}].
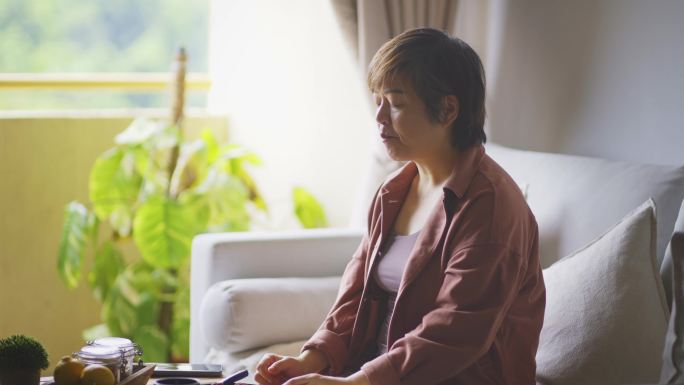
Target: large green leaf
[
  {"x": 232, "y": 161},
  {"x": 140, "y": 131},
  {"x": 309, "y": 212},
  {"x": 191, "y": 166},
  {"x": 236, "y": 152},
  {"x": 71, "y": 252},
  {"x": 211, "y": 144},
  {"x": 197, "y": 203},
  {"x": 154, "y": 342},
  {"x": 226, "y": 197},
  {"x": 133, "y": 300},
  {"x": 95, "y": 332},
  {"x": 119, "y": 308},
  {"x": 113, "y": 182},
  {"x": 121, "y": 220},
  {"x": 108, "y": 264},
  {"x": 163, "y": 230}
]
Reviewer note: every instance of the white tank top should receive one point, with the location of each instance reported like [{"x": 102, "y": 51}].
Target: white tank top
[
  {"x": 393, "y": 261},
  {"x": 388, "y": 276}
]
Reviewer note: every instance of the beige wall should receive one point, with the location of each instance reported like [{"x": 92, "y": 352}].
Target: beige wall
[
  {"x": 44, "y": 164},
  {"x": 596, "y": 78}
]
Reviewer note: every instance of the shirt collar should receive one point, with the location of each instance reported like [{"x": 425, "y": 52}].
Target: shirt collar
[{"x": 465, "y": 168}]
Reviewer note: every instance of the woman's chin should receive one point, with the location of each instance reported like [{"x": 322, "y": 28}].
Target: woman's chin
[{"x": 396, "y": 156}]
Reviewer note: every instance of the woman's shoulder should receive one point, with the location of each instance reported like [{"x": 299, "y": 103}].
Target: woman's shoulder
[
  {"x": 494, "y": 206},
  {"x": 492, "y": 179}
]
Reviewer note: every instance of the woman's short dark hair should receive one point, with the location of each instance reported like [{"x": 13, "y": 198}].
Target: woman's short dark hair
[{"x": 437, "y": 65}]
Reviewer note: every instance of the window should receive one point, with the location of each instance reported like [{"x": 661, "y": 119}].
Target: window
[{"x": 76, "y": 45}]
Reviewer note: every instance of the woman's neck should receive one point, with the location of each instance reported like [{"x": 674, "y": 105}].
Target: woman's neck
[{"x": 434, "y": 170}]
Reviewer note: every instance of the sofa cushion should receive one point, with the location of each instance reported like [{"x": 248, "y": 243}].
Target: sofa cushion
[
  {"x": 575, "y": 199},
  {"x": 243, "y": 314},
  {"x": 606, "y": 316}
]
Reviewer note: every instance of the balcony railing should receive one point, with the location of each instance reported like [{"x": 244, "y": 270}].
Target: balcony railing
[{"x": 121, "y": 81}]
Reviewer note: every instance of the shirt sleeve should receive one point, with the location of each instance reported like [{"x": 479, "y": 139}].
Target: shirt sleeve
[
  {"x": 333, "y": 337},
  {"x": 480, "y": 284}
]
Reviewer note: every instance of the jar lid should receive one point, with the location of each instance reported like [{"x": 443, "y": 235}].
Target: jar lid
[
  {"x": 95, "y": 352},
  {"x": 117, "y": 342}
]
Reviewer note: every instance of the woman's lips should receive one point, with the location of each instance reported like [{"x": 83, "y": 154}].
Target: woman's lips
[{"x": 386, "y": 136}]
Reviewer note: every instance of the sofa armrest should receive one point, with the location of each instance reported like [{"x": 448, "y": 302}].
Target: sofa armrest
[{"x": 299, "y": 253}]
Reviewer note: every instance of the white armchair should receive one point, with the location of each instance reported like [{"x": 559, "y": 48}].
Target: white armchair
[
  {"x": 228, "y": 256},
  {"x": 575, "y": 200}
]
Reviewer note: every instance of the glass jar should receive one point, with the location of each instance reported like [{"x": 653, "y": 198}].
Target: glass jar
[
  {"x": 108, "y": 356},
  {"x": 126, "y": 347}
]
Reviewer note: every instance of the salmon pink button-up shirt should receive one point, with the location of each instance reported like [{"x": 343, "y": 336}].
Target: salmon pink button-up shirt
[{"x": 470, "y": 305}]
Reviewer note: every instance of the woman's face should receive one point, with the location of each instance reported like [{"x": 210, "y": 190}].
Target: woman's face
[{"x": 404, "y": 124}]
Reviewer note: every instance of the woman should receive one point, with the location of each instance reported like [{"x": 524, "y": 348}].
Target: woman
[{"x": 446, "y": 286}]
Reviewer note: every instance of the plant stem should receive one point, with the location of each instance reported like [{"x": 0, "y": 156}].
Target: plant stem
[
  {"x": 177, "y": 108},
  {"x": 166, "y": 312},
  {"x": 178, "y": 104}
]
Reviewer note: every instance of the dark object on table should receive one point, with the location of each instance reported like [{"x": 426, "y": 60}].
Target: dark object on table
[
  {"x": 21, "y": 359},
  {"x": 176, "y": 381},
  {"x": 233, "y": 378}
]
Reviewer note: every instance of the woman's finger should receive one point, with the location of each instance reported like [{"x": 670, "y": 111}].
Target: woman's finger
[
  {"x": 263, "y": 371},
  {"x": 280, "y": 365},
  {"x": 263, "y": 380},
  {"x": 266, "y": 361}
]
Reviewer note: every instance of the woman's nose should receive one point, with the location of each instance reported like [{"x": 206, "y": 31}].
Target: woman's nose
[{"x": 381, "y": 114}]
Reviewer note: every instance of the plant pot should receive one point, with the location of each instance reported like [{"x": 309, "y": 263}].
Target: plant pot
[{"x": 20, "y": 377}]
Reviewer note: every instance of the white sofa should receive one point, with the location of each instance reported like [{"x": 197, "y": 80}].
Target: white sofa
[{"x": 256, "y": 292}]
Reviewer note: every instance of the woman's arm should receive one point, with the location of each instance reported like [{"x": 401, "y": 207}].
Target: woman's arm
[
  {"x": 357, "y": 378},
  {"x": 333, "y": 337}
]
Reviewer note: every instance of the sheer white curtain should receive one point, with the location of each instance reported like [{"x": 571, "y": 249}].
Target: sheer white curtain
[
  {"x": 367, "y": 24},
  {"x": 290, "y": 89}
]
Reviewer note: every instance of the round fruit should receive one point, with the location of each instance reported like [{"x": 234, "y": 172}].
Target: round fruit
[
  {"x": 97, "y": 375},
  {"x": 68, "y": 371}
]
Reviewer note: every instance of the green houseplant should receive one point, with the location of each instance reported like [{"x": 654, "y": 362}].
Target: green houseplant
[
  {"x": 160, "y": 190},
  {"x": 21, "y": 359}
]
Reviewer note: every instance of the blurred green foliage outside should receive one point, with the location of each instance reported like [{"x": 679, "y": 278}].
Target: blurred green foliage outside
[{"x": 77, "y": 36}]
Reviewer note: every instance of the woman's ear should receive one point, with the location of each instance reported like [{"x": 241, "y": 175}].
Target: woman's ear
[{"x": 451, "y": 109}]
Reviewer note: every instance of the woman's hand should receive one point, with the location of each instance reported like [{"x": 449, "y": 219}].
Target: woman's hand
[
  {"x": 357, "y": 378},
  {"x": 273, "y": 369}
]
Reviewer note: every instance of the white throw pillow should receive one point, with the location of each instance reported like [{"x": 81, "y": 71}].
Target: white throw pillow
[
  {"x": 243, "y": 314},
  {"x": 606, "y": 316}
]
